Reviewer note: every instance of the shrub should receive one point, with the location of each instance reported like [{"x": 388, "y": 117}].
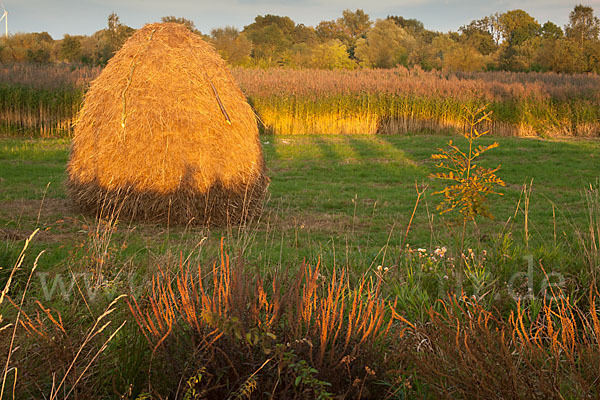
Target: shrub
[{"x": 308, "y": 338}]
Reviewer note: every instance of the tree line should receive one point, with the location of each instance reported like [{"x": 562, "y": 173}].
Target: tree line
[{"x": 512, "y": 41}]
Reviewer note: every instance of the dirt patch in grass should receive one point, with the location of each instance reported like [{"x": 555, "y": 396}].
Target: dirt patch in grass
[
  {"x": 27, "y": 208},
  {"x": 50, "y": 234},
  {"x": 12, "y": 234},
  {"x": 57, "y": 219},
  {"x": 322, "y": 222}
]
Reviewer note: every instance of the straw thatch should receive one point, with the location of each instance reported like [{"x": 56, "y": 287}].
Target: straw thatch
[{"x": 165, "y": 134}]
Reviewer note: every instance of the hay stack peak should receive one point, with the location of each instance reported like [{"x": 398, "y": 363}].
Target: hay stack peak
[{"x": 166, "y": 134}]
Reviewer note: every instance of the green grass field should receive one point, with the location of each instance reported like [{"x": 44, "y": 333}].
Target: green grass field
[
  {"x": 346, "y": 194},
  {"x": 342, "y": 201}
]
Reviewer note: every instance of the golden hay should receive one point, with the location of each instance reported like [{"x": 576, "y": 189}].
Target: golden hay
[{"x": 165, "y": 134}]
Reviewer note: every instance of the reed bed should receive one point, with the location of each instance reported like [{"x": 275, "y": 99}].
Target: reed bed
[
  {"x": 43, "y": 100},
  {"x": 402, "y": 100},
  {"x": 54, "y": 76},
  {"x": 26, "y": 111}
]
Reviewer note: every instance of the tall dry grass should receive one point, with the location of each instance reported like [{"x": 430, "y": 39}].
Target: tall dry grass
[
  {"x": 50, "y": 76},
  {"x": 44, "y": 357},
  {"x": 546, "y": 352},
  {"x": 240, "y": 324},
  {"x": 42, "y": 100},
  {"x": 402, "y": 100}
]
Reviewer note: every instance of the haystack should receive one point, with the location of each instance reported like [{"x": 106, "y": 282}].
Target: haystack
[{"x": 165, "y": 134}]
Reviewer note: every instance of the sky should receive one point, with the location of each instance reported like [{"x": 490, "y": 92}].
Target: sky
[{"x": 84, "y": 17}]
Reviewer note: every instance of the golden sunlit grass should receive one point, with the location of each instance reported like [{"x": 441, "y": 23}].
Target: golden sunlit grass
[
  {"x": 402, "y": 101},
  {"x": 544, "y": 351},
  {"x": 333, "y": 325},
  {"x": 338, "y": 318},
  {"x": 42, "y": 101}
]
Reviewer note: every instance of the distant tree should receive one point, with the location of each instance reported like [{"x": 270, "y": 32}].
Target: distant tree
[
  {"x": 268, "y": 42},
  {"x": 551, "y": 48},
  {"x": 493, "y": 26},
  {"x": 591, "y": 53},
  {"x": 90, "y": 49},
  {"x": 40, "y": 48},
  {"x": 43, "y": 37},
  {"x": 551, "y": 31},
  {"x": 432, "y": 55},
  {"x": 559, "y": 55},
  {"x": 489, "y": 24},
  {"x": 234, "y": 47},
  {"x": 517, "y": 26},
  {"x": 285, "y": 24},
  {"x": 447, "y": 54},
  {"x": 298, "y": 55},
  {"x": 108, "y": 41},
  {"x": 525, "y": 54},
  {"x": 583, "y": 30},
  {"x": 117, "y": 33},
  {"x": 416, "y": 29},
  {"x": 385, "y": 45},
  {"x": 114, "y": 23},
  {"x": 463, "y": 57},
  {"x": 427, "y": 36},
  {"x": 331, "y": 55},
  {"x": 13, "y": 49},
  {"x": 518, "y": 29},
  {"x": 304, "y": 34},
  {"x": 352, "y": 26},
  {"x": 330, "y": 30},
  {"x": 356, "y": 23},
  {"x": 412, "y": 26},
  {"x": 70, "y": 49},
  {"x": 583, "y": 25},
  {"x": 271, "y": 36},
  {"x": 478, "y": 36},
  {"x": 181, "y": 20},
  {"x": 38, "y": 56},
  {"x": 31, "y": 47}
]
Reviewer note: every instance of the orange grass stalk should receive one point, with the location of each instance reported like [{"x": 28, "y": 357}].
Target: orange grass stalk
[{"x": 338, "y": 318}]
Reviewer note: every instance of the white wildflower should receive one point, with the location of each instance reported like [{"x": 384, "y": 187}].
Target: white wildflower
[{"x": 440, "y": 252}]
